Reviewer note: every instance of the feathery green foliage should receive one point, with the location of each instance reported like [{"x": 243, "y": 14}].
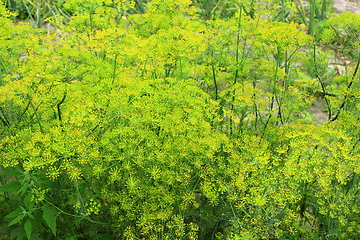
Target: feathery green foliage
[{"x": 164, "y": 125}]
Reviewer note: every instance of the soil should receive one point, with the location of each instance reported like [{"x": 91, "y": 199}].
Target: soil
[
  {"x": 318, "y": 109},
  {"x": 341, "y": 6}
]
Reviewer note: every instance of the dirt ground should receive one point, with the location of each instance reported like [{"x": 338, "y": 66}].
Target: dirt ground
[
  {"x": 318, "y": 110},
  {"x": 341, "y": 6}
]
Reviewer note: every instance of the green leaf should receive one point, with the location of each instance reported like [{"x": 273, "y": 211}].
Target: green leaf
[
  {"x": 50, "y": 219},
  {"x": 23, "y": 189},
  {"x": 14, "y": 213},
  {"x": 13, "y": 172},
  {"x": 30, "y": 206},
  {"x": 27, "y": 200},
  {"x": 30, "y": 215},
  {"x": 10, "y": 187},
  {"x": 20, "y": 233},
  {"x": 105, "y": 236},
  {"x": 16, "y": 220},
  {"x": 28, "y": 228}
]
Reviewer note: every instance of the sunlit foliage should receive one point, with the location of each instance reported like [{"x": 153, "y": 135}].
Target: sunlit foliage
[{"x": 164, "y": 125}]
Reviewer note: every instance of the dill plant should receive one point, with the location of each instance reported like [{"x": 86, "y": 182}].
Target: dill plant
[{"x": 165, "y": 126}]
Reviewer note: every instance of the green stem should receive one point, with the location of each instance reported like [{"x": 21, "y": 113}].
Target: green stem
[
  {"x": 38, "y": 14},
  {"x": 277, "y": 100},
  {"x": 312, "y": 17},
  {"x": 141, "y": 6},
  {"x": 348, "y": 88},
  {"x": 3, "y": 119},
  {"x": 25, "y": 110},
  {"x": 212, "y": 16},
  {"x": 2, "y": 65},
  {"x": 37, "y": 116},
  {"x": 30, "y": 14},
  {"x": 323, "y": 88},
  {"x": 301, "y": 11},
  {"x": 91, "y": 22},
  {"x": 114, "y": 69},
  {"x": 58, "y": 106},
  {"x": 236, "y": 60},
  {"x": 237, "y": 45},
  {"x": 323, "y": 10},
  {"x": 215, "y": 82}
]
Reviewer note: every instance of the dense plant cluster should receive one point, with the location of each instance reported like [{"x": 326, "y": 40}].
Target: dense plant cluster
[{"x": 163, "y": 125}]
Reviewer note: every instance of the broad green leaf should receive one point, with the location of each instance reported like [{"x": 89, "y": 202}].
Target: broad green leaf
[
  {"x": 30, "y": 215},
  {"x": 27, "y": 200},
  {"x": 50, "y": 219},
  {"x": 15, "y": 213},
  {"x": 23, "y": 188},
  {"x": 30, "y": 206},
  {"x": 28, "y": 228},
  {"x": 20, "y": 233},
  {"x": 10, "y": 187},
  {"x": 16, "y": 220}
]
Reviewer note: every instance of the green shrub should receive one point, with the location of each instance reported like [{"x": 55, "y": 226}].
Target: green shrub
[{"x": 165, "y": 126}]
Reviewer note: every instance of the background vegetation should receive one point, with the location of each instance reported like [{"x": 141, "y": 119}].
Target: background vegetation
[{"x": 178, "y": 120}]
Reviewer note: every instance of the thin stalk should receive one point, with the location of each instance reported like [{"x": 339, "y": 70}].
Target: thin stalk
[
  {"x": 287, "y": 71},
  {"x": 114, "y": 69},
  {"x": 72, "y": 215},
  {"x": 38, "y": 14},
  {"x": 274, "y": 98},
  {"x": 51, "y": 9},
  {"x": 58, "y": 106},
  {"x": 283, "y": 7},
  {"x": 236, "y": 60},
  {"x": 59, "y": 109},
  {"x": 353, "y": 181},
  {"x": 63, "y": 13},
  {"x": 278, "y": 62},
  {"x": 323, "y": 88},
  {"x": 141, "y": 7},
  {"x": 348, "y": 88},
  {"x": 57, "y": 208},
  {"x": 82, "y": 204},
  {"x": 3, "y": 119},
  {"x": 2, "y": 82},
  {"x": 237, "y": 45},
  {"x": 257, "y": 113},
  {"x": 354, "y": 146},
  {"x": 181, "y": 68},
  {"x": 212, "y": 16},
  {"x": 251, "y": 12},
  {"x": 2, "y": 65},
  {"x": 91, "y": 22},
  {"x": 323, "y": 10},
  {"x": 312, "y": 17},
  {"x": 25, "y": 110},
  {"x": 301, "y": 10},
  {"x": 215, "y": 82},
  {"x": 30, "y": 14},
  {"x": 37, "y": 116}
]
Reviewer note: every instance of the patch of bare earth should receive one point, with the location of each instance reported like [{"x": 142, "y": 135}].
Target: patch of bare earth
[{"x": 318, "y": 109}]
